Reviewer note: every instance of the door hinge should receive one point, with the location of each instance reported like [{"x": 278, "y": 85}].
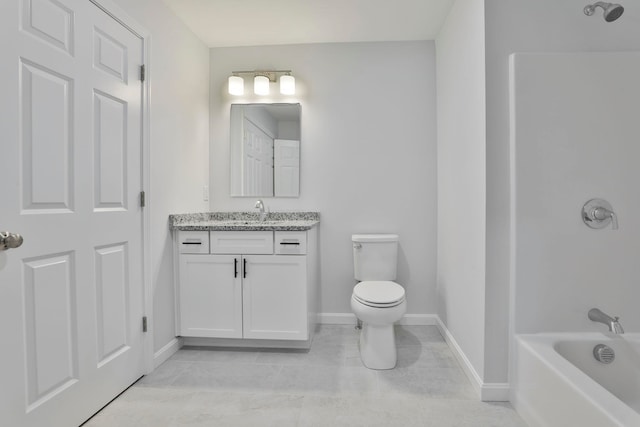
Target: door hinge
[
  {"x": 143, "y": 199},
  {"x": 144, "y": 323},
  {"x": 143, "y": 72}
]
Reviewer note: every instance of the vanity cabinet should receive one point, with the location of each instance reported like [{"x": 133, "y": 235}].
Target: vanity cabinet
[{"x": 248, "y": 284}]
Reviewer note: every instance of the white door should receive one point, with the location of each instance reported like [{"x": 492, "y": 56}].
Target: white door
[
  {"x": 257, "y": 161},
  {"x": 71, "y": 297},
  {"x": 286, "y": 172}
]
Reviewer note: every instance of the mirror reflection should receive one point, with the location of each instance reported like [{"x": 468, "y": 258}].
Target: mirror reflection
[{"x": 265, "y": 150}]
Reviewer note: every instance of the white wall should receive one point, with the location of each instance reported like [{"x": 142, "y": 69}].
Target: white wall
[
  {"x": 584, "y": 136},
  {"x": 461, "y": 178},
  {"x": 368, "y": 153},
  {"x": 528, "y": 26},
  {"x": 179, "y": 92}
]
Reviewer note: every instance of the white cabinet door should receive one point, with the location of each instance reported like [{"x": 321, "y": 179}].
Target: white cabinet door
[
  {"x": 210, "y": 296},
  {"x": 275, "y": 297}
]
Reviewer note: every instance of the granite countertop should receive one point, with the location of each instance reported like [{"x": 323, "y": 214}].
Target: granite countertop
[{"x": 244, "y": 221}]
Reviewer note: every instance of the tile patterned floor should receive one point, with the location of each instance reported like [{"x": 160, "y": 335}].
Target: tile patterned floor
[{"x": 326, "y": 386}]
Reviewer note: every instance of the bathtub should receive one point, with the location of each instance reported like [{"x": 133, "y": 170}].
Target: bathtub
[{"x": 557, "y": 382}]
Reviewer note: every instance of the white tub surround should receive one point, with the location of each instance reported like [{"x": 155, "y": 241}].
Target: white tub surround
[
  {"x": 558, "y": 381},
  {"x": 572, "y": 141}
]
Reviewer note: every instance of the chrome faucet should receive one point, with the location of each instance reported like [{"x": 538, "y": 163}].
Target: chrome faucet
[
  {"x": 598, "y": 213},
  {"x": 260, "y": 205},
  {"x": 612, "y": 322}
]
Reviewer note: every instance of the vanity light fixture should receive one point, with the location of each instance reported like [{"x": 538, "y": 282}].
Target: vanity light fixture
[{"x": 261, "y": 82}]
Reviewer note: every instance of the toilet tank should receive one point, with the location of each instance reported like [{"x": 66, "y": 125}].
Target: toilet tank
[{"x": 375, "y": 256}]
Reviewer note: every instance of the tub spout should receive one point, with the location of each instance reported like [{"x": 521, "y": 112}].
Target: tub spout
[{"x": 612, "y": 322}]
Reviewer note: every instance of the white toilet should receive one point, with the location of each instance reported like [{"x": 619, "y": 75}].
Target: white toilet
[{"x": 376, "y": 300}]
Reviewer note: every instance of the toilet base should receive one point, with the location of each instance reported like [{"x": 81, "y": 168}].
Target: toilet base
[
  {"x": 378, "y": 337},
  {"x": 378, "y": 346}
]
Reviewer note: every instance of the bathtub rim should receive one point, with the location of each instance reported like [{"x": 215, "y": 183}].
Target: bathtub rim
[{"x": 543, "y": 347}]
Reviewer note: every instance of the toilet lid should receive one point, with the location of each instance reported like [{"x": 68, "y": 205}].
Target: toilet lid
[{"x": 379, "y": 293}]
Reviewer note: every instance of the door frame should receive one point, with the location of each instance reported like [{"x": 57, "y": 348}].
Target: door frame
[{"x": 117, "y": 13}]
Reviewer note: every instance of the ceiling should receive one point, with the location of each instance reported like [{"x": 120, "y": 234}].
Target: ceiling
[{"x": 223, "y": 23}]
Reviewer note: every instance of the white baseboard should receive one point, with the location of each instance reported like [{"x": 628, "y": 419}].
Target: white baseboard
[
  {"x": 494, "y": 392},
  {"x": 160, "y": 356},
  {"x": 337, "y": 318},
  {"x": 350, "y": 319},
  {"x": 488, "y": 392},
  {"x": 419, "y": 319}
]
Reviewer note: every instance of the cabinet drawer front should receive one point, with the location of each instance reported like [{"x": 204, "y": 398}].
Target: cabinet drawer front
[
  {"x": 291, "y": 242},
  {"x": 242, "y": 242},
  {"x": 193, "y": 242}
]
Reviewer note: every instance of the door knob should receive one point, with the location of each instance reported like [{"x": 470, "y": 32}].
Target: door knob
[{"x": 9, "y": 240}]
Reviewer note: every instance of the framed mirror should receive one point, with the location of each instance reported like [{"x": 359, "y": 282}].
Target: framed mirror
[{"x": 265, "y": 150}]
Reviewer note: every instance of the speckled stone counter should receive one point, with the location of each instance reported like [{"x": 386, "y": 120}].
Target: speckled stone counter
[{"x": 244, "y": 221}]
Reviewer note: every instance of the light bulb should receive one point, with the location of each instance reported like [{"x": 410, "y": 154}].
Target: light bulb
[
  {"x": 287, "y": 85},
  {"x": 261, "y": 85},
  {"x": 236, "y": 85}
]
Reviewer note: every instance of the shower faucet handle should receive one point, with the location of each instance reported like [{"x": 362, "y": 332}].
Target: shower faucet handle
[
  {"x": 598, "y": 213},
  {"x": 603, "y": 214}
]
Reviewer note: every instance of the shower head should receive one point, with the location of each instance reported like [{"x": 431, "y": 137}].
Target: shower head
[{"x": 612, "y": 11}]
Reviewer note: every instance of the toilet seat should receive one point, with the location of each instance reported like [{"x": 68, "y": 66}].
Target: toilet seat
[{"x": 379, "y": 293}]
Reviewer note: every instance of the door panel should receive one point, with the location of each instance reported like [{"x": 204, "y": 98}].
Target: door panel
[
  {"x": 50, "y": 21},
  {"x": 46, "y": 138},
  {"x": 71, "y": 297},
  {"x": 50, "y": 326},
  {"x": 109, "y": 55},
  {"x": 112, "y": 302},
  {"x": 110, "y": 148}
]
